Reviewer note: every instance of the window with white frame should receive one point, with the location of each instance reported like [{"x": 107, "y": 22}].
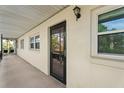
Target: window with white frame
[
  {"x": 35, "y": 42},
  {"x": 109, "y": 38},
  {"x": 22, "y": 44}
]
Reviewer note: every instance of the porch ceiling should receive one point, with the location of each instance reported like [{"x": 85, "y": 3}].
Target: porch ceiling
[{"x": 15, "y": 20}]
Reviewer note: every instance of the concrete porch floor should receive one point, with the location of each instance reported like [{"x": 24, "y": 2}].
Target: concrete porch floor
[{"x": 16, "y": 73}]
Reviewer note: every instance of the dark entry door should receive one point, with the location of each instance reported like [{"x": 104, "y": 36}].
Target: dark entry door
[{"x": 58, "y": 51}]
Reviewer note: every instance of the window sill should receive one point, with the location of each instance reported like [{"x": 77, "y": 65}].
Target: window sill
[
  {"x": 34, "y": 49},
  {"x": 118, "y": 57}
]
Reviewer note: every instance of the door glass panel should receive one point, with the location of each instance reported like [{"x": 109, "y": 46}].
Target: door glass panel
[
  {"x": 56, "y": 55},
  {"x": 56, "y": 43}
]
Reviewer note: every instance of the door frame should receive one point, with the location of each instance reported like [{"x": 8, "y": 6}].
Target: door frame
[{"x": 64, "y": 23}]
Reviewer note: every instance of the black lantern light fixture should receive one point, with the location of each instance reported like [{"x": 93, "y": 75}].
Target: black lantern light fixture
[{"x": 77, "y": 12}]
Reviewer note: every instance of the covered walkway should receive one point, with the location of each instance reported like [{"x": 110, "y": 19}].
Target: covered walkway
[{"x": 16, "y": 73}]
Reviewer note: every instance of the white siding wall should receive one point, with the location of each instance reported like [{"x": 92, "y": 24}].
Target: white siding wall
[{"x": 82, "y": 69}]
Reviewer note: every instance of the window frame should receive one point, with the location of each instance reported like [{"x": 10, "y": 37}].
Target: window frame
[
  {"x": 34, "y": 37},
  {"x": 94, "y": 33}
]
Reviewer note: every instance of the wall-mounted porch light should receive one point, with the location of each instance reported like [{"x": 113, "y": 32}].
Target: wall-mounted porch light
[{"x": 77, "y": 12}]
